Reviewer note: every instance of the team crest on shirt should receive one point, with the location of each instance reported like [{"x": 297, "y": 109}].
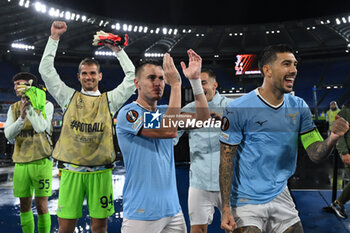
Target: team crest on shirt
[
  {"x": 131, "y": 116},
  {"x": 225, "y": 124},
  {"x": 293, "y": 116}
]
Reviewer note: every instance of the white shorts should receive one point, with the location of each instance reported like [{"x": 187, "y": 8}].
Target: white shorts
[
  {"x": 201, "y": 205},
  {"x": 174, "y": 224},
  {"x": 275, "y": 216}
]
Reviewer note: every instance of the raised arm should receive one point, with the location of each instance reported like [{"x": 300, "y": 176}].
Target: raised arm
[
  {"x": 39, "y": 123},
  {"x": 58, "y": 89},
  {"x": 319, "y": 150},
  {"x": 122, "y": 93},
  {"x": 192, "y": 72}
]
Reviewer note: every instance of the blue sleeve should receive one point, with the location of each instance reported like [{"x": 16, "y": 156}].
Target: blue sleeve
[
  {"x": 231, "y": 125},
  {"x": 130, "y": 120},
  {"x": 306, "y": 122}
]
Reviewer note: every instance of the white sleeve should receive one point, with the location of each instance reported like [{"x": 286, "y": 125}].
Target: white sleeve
[
  {"x": 12, "y": 127},
  {"x": 57, "y": 88},
  {"x": 39, "y": 123},
  {"x": 122, "y": 93}
]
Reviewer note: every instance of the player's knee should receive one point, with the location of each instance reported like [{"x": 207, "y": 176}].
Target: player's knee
[
  {"x": 99, "y": 225},
  {"x": 25, "y": 204},
  {"x": 66, "y": 225},
  {"x": 41, "y": 205},
  {"x": 42, "y": 208},
  {"x": 98, "y": 229},
  {"x": 297, "y": 228}
]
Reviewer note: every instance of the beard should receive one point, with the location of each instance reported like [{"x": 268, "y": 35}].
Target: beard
[{"x": 90, "y": 86}]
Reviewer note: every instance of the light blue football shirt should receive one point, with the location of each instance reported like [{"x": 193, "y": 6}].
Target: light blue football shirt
[
  {"x": 150, "y": 191},
  {"x": 205, "y": 148},
  {"x": 267, "y": 139}
]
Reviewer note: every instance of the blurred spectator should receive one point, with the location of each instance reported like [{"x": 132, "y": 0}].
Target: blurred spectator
[{"x": 331, "y": 113}]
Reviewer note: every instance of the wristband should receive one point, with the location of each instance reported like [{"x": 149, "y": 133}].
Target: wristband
[{"x": 196, "y": 86}]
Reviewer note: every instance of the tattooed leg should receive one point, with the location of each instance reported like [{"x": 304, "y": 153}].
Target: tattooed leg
[
  {"x": 247, "y": 229},
  {"x": 296, "y": 228}
]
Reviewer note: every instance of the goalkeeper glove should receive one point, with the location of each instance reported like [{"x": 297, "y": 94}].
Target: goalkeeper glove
[
  {"x": 23, "y": 87},
  {"x": 37, "y": 97},
  {"x": 102, "y": 38}
]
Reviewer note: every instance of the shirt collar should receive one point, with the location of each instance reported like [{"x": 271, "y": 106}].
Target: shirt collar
[
  {"x": 216, "y": 97},
  {"x": 93, "y": 93},
  {"x": 266, "y": 102}
]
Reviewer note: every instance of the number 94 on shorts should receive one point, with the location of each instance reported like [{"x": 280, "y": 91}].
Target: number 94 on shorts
[{"x": 96, "y": 187}]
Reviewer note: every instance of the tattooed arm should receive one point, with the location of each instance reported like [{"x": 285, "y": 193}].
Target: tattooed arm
[
  {"x": 319, "y": 150},
  {"x": 225, "y": 173}
]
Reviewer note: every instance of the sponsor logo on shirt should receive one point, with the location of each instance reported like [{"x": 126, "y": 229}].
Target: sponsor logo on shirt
[
  {"x": 88, "y": 128},
  {"x": 26, "y": 133},
  {"x": 261, "y": 122}
]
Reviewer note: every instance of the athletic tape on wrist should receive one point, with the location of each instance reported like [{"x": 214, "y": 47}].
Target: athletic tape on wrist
[{"x": 196, "y": 86}]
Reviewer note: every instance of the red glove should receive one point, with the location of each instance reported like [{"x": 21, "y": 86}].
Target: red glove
[{"x": 101, "y": 38}]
